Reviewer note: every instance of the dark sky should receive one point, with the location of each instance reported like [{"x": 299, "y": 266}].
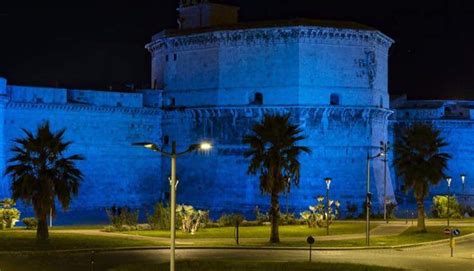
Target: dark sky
[{"x": 97, "y": 45}]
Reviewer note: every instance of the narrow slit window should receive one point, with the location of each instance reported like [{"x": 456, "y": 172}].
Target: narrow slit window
[
  {"x": 334, "y": 99},
  {"x": 258, "y": 98}
]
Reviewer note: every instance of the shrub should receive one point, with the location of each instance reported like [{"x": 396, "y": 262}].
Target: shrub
[
  {"x": 467, "y": 210},
  {"x": 191, "y": 219},
  {"x": 351, "y": 209},
  {"x": 439, "y": 208},
  {"x": 143, "y": 227},
  {"x": 211, "y": 224},
  {"x": 288, "y": 219},
  {"x": 109, "y": 228},
  {"x": 161, "y": 217},
  {"x": 8, "y": 215},
  {"x": 261, "y": 217},
  {"x": 30, "y": 222},
  {"x": 247, "y": 223},
  {"x": 122, "y": 216},
  {"x": 230, "y": 220},
  {"x": 316, "y": 216}
]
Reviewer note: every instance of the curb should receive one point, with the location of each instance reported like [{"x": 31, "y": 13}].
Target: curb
[{"x": 32, "y": 252}]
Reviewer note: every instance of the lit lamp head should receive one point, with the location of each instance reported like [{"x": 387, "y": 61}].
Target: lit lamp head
[
  {"x": 449, "y": 179},
  {"x": 147, "y": 145},
  {"x": 205, "y": 146},
  {"x": 328, "y": 182},
  {"x": 463, "y": 178}
]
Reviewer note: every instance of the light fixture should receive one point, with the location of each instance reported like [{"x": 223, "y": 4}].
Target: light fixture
[
  {"x": 205, "y": 146},
  {"x": 328, "y": 182},
  {"x": 449, "y": 179}
]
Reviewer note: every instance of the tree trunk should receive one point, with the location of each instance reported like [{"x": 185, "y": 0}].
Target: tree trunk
[
  {"x": 42, "y": 233},
  {"x": 421, "y": 215},
  {"x": 275, "y": 213}
]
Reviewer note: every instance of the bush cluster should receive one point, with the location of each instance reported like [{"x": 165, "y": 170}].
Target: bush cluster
[
  {"x": 122, "y": 218},
  {"x": 30, "y": 222},
  {"x": 439, "y": 208},
  {"x": 8, "y": 214}
]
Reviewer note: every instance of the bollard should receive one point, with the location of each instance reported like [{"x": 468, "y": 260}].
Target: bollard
[
  {"x": 310, "y": 240},
  {"x": 92, "y": 260},
  {"x": 237, "y": 232}
]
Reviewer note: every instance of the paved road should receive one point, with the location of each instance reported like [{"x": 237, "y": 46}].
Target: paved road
[
  {"x": 432, "y": 258},
  {"x": 381, "y": 230}
]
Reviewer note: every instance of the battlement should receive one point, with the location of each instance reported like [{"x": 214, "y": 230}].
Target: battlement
[
  {"x": 433, "y": 109},
  {"x": 199, "y": 14},
  {"x": 62, "y": 96}
]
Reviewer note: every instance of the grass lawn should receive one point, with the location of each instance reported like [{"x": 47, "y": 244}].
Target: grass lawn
[
  {"x": 302, "y": 231},
  {"x": 410, "y": 236},
  {"x": 252, "y": 266},
  {"x": 70, "y": 262},
  {"x": 21, "y": 240}
]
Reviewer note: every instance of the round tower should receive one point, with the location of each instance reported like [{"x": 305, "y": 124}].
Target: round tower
[{"x": 219, "y": 81}]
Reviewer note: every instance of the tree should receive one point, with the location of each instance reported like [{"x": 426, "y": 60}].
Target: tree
[
  {"x": 274, "y": 157},
  {"x": 41, "y": 172},
  {"x": 420, "y": 162}
]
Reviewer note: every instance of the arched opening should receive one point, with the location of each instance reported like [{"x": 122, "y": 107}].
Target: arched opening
[
  {"x": 334, "y": 99},
  {"x": 258, "y": 98}
]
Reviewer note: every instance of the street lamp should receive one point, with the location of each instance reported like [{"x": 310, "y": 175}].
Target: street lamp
[
  {"x": 328, "y": 184},
  {"x": 384, "y": 147},
  {"x": 369, "y": 197},
  {"x": 463, "y": 179},
  {"x": 448, "y": 180},
  {"x": 204, "y": 146}
]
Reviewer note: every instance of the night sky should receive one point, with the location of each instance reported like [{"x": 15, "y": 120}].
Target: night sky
[{"x": 97, "y": 45}]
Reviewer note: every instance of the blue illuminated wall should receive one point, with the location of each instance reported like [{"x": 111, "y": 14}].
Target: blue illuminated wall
[
  {"x": 214, "y": 85},
  {"x": 332, "y": 81},
  {"x": 102, "y": 126},
  {"x": 455, "y": 120}
]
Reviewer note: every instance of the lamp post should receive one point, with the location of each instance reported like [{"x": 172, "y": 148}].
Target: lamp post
[
  {"x": 173, "y": 155},
  {"x": 463, "y": 179},
  {"x": 384, "y": 149},
  {"x": 448, "y": 180},
  {"x": 369, "y": 197},
  {"x": 328, "y": 184}
]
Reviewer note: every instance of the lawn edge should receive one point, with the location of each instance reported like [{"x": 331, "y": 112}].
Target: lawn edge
[{"x": 96, "y": 250}]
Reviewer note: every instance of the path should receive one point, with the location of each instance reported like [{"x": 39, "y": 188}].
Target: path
[{"x": 381, "y": 230}]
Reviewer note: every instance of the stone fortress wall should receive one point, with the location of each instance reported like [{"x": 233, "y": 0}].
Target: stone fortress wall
[
  {"x": 102, "y": 126},
  {"x": 218, "y": 82},
  {"x": 455, "y": 120},
  {"x": 212, "y": 80}
]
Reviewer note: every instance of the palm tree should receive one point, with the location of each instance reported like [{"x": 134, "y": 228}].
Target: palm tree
[
  {"x": 420, "y": 162},
  {"x": 274, "y": 156},
  {"x": 41, "y": 172}
]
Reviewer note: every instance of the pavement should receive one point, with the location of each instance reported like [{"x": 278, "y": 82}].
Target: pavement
[
  {"x": 382, "y": 229},
  {"x": 432, "y": 258}
]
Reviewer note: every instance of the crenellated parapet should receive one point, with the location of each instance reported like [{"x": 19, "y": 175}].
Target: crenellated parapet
[
  {"x": 289, "y": 34},
  {"x": 344, "y": 114},
  {"x": 85, "y": 108},
  {"x": 139, "y": 102}
]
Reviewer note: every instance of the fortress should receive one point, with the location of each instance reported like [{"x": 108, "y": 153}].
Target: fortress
[{"x": 213, "y": 78}]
